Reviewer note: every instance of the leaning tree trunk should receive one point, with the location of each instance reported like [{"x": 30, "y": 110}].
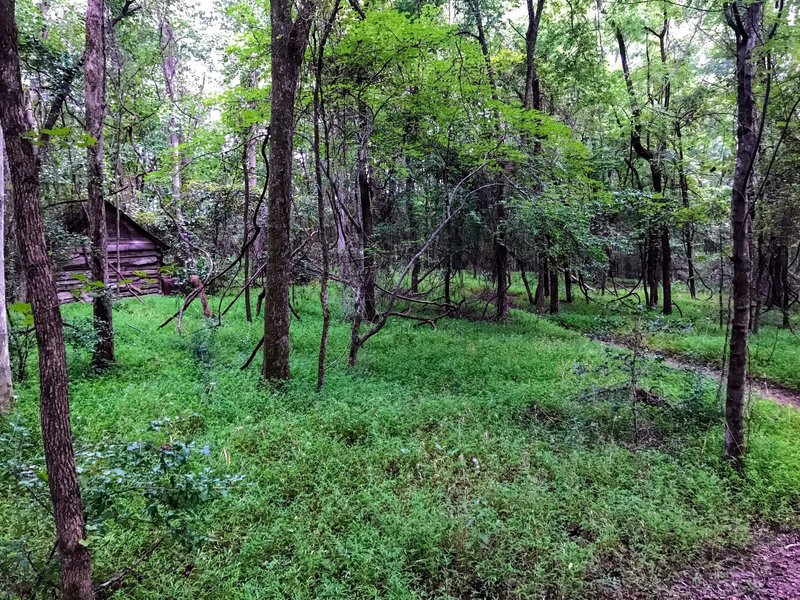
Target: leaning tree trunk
[
  {"x": 746, "y": 27},
  {"x": 5, "y": 357},
  {"x": 62, "y": 476},
  {"x": 289, "y": 40},
  {"x": 95, "y": 100},
  {"x": 568, "y": 286}
]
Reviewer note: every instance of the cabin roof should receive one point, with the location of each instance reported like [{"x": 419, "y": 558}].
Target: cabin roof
[{"x": 79, "y": 222}]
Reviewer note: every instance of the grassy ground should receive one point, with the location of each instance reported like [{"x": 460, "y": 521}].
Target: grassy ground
[
  {"x": 477, "y": 460},
  {"x": 695, "y": 334}
]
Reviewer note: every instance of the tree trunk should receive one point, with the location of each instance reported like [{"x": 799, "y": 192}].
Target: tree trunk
[
  {"x": 289, "y": 39},
  {"x": 532, "y": 96},
  {"x": 747, "y": 27},
  {"x": 169, "y": 67},
  {"x": 501, "y": 254},
  {"x": 526, "y": 283},
  {"x": 653, "y": 158},
  {"x": 541, "y": 284},
  {"x": 688, "y": 234},
  {"x": 666, "y": 271},
  {"x": 5, "y": 358},
  {"x": 248, "y": 176},
  {"x": 62, "y": 476},
  {"x": 413, "y": 232},
  {"x": 785, "y": 297},
  {"x": 499, "y": 248},
  {"x": 553, "y": 291},
  {"x": 567, "y": 286},
  {"x": 95, "y": 91},
  {"x": 318, "y": 115},
  {"x": 367, "y": 246},
  {"x": 755, "y": 317},
  {"x": 652, "y": 267}
]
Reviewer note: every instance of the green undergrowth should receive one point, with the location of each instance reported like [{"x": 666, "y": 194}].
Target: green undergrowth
[{"x": 475, "y": 460}]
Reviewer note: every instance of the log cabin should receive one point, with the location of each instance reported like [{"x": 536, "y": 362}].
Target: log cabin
[{"x": 134, "y": 258}]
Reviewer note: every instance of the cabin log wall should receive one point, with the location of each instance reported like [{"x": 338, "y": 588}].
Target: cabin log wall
[{"x": 132, "y": 255}]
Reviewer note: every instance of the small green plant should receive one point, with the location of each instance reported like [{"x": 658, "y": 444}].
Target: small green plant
[
  {"x": 158, "y": 489},
  {"x": 21, "y": 338}
]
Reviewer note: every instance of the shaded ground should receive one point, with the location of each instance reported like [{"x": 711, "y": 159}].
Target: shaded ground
[{"x": 770, "y": 572}]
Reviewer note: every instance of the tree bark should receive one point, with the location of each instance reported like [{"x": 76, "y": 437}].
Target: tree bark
[
  {"x": 95, "y": 99},
  {"x": 745, "y": 20},
  {"x": 248, "y": 177},
  {"x": 62, "y": 477},
  {"x": 367, "y": 246},
  {"x": 553, "y": 291},
  {"x": 688, "y": 233},
  {"x": 6, "y": 397},
  {"x": 532, "y": 97},
  {"x": 169, "y": 67},
  {"x": 666, "y": 271},
  {"x": 318, "y": 115},
  {"x": 542, "y": 284},
  {"x": 568, "y": 286},
  {"x": 499, "y": 248},
  {"x": 526, "y": 283},
  {"x": 289, "y": 40},
  {"x": 653, "y": 158}
]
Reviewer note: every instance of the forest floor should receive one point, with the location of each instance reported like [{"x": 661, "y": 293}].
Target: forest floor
[
  {"x": 768, "y": 570},
  {"x": 473, "y": 460}
]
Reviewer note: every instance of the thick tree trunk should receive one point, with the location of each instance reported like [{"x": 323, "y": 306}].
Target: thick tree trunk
[
  {"x": 95, "y": 100},
  {"x": 5, "y": 358},
  {"x": 289, "y": 39},
  {"x": 747, "y": 26},
  {"x": 62, "y": 477}
]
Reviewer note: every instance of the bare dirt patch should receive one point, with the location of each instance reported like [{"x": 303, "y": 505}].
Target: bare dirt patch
[{"x": 770, "y": 570}]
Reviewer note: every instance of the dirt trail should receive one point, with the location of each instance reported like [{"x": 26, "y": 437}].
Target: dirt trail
[
  {"x": 762, "y": 388},
  {"x": 769, "y": 571},
  {"x": 770, "y": 568}
]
